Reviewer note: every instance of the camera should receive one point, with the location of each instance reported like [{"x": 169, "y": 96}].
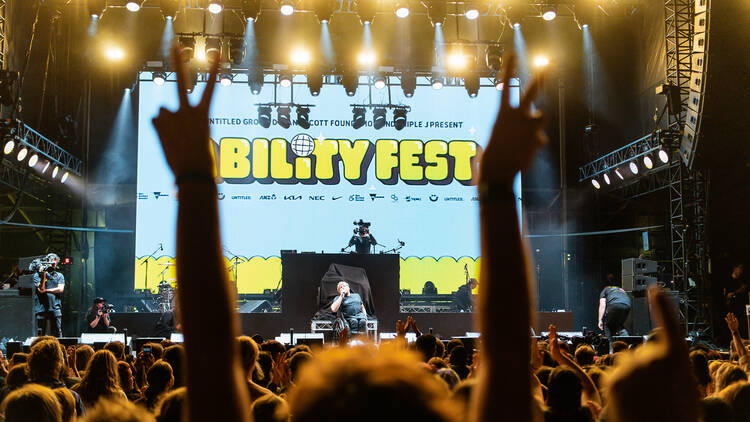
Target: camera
[
  {"x": 362, "y": 226},
  {"x": 108, "y": 308}
]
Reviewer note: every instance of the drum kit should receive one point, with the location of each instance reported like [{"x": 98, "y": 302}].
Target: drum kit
[{"x": 164, "y": 300}]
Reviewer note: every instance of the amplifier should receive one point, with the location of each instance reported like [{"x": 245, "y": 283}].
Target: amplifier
[
  {"x": 634, "y": 283},
  {"x": 636, "y": 266}
]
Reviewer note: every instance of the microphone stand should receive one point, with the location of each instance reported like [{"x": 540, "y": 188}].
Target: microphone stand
[
  {"x": 145, "y": 278},
  {"x": 235, "y": 264}
]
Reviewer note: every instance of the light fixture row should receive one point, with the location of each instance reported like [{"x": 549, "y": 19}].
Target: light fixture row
[{"x": 647, "y": 161}]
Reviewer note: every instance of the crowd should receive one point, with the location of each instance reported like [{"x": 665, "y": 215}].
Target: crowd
[{"x": 219, "y": 375}]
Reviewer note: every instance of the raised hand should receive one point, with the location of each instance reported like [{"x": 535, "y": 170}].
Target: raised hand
[
  {"x": 184, "y": 133},
  {"x": 554, "y": 346},
  {"x": 401, "y": 329},
  {"x": 657, "y": 376},
  {"x": 517, "y": 135},
  {"x": 732, "y": 322}
]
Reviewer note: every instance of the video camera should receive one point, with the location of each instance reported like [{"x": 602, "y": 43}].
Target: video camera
[
  {"x": 362, "y": 226},
  {"x": 108, "y": 308}
]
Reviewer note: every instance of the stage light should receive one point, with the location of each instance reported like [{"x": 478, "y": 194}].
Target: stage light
[
  {"x": 596, "y": 183},
  {"x": 471, "y": 82},
  {"x": 225, "y": 79},
  {"x": 367, "y": 58},
  {"x": 549, "y": 12},
  {"x": 366, "y": 10},
  {"x": 437, "y": 82},
  {"x": 663, "y": 156},
  {"x": 648, "y": 162},
  {"x": 96, "y": 7},
  {"x": 285, "y": 80},
  {"x": 541, "y": 61},
  {"x": 379, "y": 82},
  {"x": 255, "y": 79},
  {"x": 159, "y": 78},
  {"x": 324, "y": 9},
  {"x": 303, "y": 117},
  {"x": 286, "y": 7},
  {"x": 133, "y": 6},
  {"x": 33, "y": 160},
  {"x": 499, "y": 85},
  {"x": 350, "y": 81},
  {"x": 46, "y": 166},
  {"x": 250, "y": 10},
  {"x": 169, "y": 8},
  {"x": 617, "y": 172},
  {"x": 213, "y": 49},
  {"x": 358, "y": 120},
  {"x": 471, "y": 12},
  {"x": 633, "y": 167},
  {"x": 399, "y": 118},
  {"x": 64, "y": 177},
  {"x": 457, "y": 60},
  {"x": 283, "y": 115},
  {"x": 237, "y": 51},
  {"x": 585, "y": 25},
  {"x": 493, "y": 57},
  {"x": 55, "y": 171},
  {"x": 402, "y": 10},
  {"x": 216, "y": 6},
  {"x": 515, "y": 15},
  {"x": 22, "y": 154},
  {"x": 114, "y": 53},
  {"x": 264, "y": 116},
  {"x": 9, "y": 146},
  {"x": 435, "y": 11},
  {"x": 606, "y": 179},
  {"x": 301, "y": 56},
  {"x": 378, "y": 118},
  {"x": 187, "y": 48},
  {"x": 408, "y": 82},
  {"x": 314, "y": 80}
]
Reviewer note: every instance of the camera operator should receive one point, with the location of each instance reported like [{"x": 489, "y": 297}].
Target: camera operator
[
  {"x": 97, "y": 317},
  {"x": 362, "y": 239}
]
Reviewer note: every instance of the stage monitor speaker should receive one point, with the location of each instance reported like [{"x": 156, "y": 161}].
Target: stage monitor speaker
[
  {"x": 22, "y": 324},
  {"x": 632, "y": 283},
  {"x": 640, "y": 314},
  {"x": 255, "y": 306},
  {"x": 636, "y": 266}
]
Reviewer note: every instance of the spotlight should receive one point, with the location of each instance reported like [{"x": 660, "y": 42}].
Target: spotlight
[
  {"x": 159, "y": 78},
  {"x": 169, "y": 8},
  {"x": 213, "y": 49},
  {"x": 606, "y": 179},
  {"x": 46, "y": 166},
  {"x": 225, "y": 79},
  {"x": 324, "y": 9},
  {"x": 187, "y": 48},
  {"x": 499, "y": 85},
  {"x": 549, "y": 12},
  {"x": 285, "y": 80},
  {"x": 366, "y": 10},
  {"x": 133, "y": 6},
  {"x": 301, "y": 56},
  {"x": 359, "y": 117},
  {"x": 286, "y": 7},
  {"x": 457, "y": 60},
  {"x": 64, "y": 177},
  {"x": 648, "y": 162},
  {"x": 96, "y": 8},
  {"x": 664, "y": 156},
  {"x": 8, "y": 148},
  {"x": 471, "y": 82},
  {"x": 633, "y": 167},
  {"x": 216, "y": 6},
  {"x": 255, "y": 79},
  {"x": 514, "y": 14},
  {"x": 33, "y": 160},
  {"x": 283, "y": 115},
  {"x": 114, "y": 53},
  {"x": 437, "y": 82},
  {"x": 402, "y": 10},
  {"x": 379, "y": 82},
  {"x": 264, "y": 116},
  {"x": 303, "y": 117},
  {"x": 408, "y": 82},
  {"x": 237, "y": 51},
  {"x": 435, "y": 11},
  {"x": 22, "y": 154},
  {"x": 617, "y": 172},
  {"x": 378, "y": 118},
  {"x": 314, "y": 80},
  {"x": 596, "y": 183},
  {"x": 541, "y": 61},
  {"x": 367, "y": 58},
  {"x": 493, "y": 56},
  {"x": 471, "y": 12},
  {"x": 350, "y": 81},
  {"x": 250, "y": 10},
  {"x": 399, "y": 118},
  {"x": 55, "y": 171}
]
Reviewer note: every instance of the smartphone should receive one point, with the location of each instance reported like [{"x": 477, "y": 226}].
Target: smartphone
[{"x": 147, "y": 350}]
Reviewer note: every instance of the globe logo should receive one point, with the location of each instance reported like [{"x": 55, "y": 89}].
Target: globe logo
[{"x": 302, "y": 145}]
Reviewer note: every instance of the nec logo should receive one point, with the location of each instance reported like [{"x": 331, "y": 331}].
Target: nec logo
[{"x": 317, "y": 198}]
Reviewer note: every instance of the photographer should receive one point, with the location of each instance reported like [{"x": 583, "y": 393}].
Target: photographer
[
  {"x": 50, "y": 284},
  {"x": 97, "y": 317},
  {"x": 362, "y": 239}
]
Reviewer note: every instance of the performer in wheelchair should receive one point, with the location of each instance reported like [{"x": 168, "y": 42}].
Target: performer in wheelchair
[{"x": 352, "y": 308}]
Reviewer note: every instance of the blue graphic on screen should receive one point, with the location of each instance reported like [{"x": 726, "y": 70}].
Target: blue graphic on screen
[{"x": 302, "y": 189}]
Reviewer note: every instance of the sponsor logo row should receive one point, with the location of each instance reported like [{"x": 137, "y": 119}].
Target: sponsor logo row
[{"x": 355, "y": 197}]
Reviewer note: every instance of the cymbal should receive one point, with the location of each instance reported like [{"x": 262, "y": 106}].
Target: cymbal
[{"x": 167, "y": 264}]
